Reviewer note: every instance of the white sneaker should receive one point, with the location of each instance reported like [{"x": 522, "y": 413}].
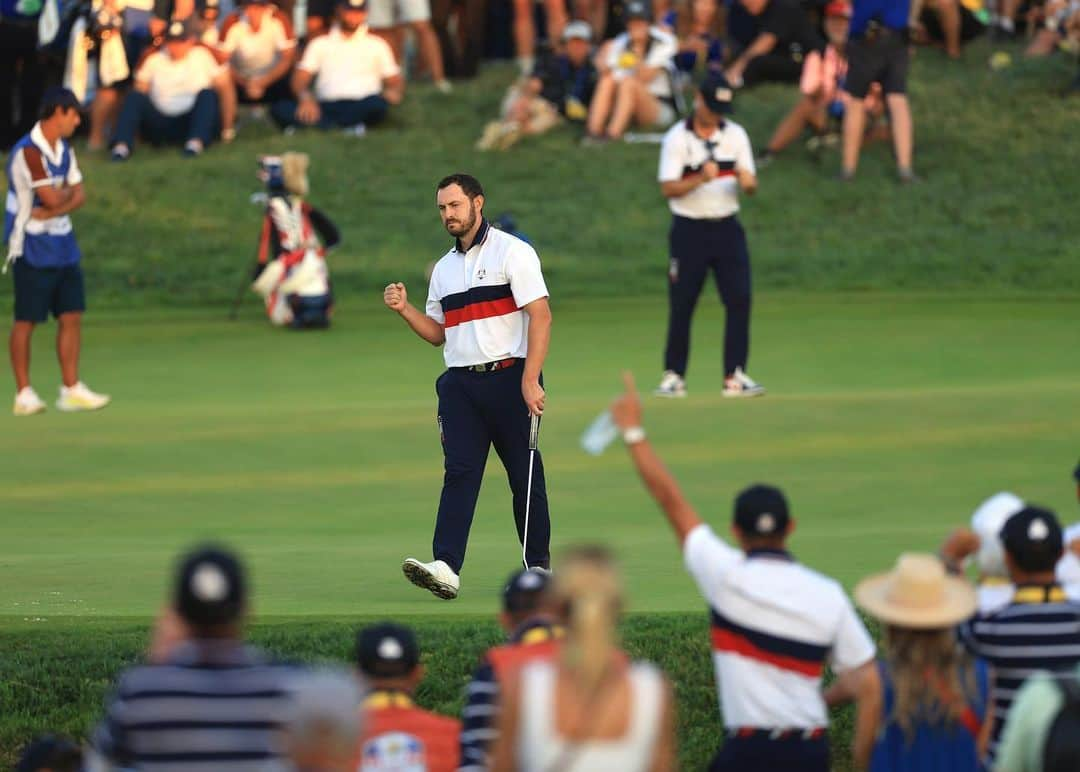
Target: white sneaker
[
  {"x": 79, "y": 398},
  {"x": 671, "y": 385},
  {"x": 436, "y": 576},
  {"x": 739, "y": 384},
  {"x": 359, "y": 130},
  {"x": 27, "y": 402},
  {"x": 444, "y": 87}
]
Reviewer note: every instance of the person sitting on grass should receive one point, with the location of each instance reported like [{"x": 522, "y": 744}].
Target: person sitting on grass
[
  {"x": 635, "y": 85},
  {"x": 698, "y": 25},
  {"x": 560, "y": 87},
  {"x": 785, "y": 35},
  {"x": 215, "y": 699},
  {"x": 936, "y": 712},
  {"x": 820, "y": 105},
  {"x": 356, "y": 78},
  {"x": 946, "y": 23},
  {"x": 177, "y": 96},
  {"x": 397, "y": 734},
  {"x": 775, "y": 623}
]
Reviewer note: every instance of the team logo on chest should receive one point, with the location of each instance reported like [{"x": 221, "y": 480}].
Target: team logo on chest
[{"x": 481, "y": 274}]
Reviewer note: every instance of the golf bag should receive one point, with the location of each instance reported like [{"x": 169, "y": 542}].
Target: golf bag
[{"x": 291, "y": 274}]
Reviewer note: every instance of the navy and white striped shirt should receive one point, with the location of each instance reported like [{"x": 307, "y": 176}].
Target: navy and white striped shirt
[
  {"x": 213, "y": 705},
  {"x": 1038, "y": 632}
]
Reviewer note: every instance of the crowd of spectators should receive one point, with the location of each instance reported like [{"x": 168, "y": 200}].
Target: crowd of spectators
[
  {"x": 977, "y": 667},
  {"x": 175, "y": 71}
]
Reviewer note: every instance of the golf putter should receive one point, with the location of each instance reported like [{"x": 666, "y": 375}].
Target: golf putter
[{"x": 534, "y": 438}]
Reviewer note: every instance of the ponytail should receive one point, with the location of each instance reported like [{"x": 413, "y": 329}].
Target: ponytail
[{"x": 589, "y": 586}]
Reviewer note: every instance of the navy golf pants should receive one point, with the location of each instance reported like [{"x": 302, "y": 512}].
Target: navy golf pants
[
  {"x": 476, "y": 411},
  {"x": 698, "y": 247},
  {"x": 795, "y": 754}
]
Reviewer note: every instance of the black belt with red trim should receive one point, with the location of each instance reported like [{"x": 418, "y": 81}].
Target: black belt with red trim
[
  {"x": 746, "y": 732},
  {"x": 489, "y": 367}
]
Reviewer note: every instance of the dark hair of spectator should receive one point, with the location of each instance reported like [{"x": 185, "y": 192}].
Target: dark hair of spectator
[
  {"x": 468, "y": 183},
  {"x": 57, "y": 99}
]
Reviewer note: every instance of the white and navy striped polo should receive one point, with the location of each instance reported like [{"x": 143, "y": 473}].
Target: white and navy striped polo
[
  {"x": 1038, "y": 631},
  {"x": 683, "y": 153},
  {"x": 215, "y": 705},
  {"x": 775, "y": 625},
  {"x": 478, "y": 296}
]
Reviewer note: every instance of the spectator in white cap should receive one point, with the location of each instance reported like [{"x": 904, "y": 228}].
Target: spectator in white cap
[
  {"x": 560, "y": 87},
  {"x": 935, "y": 713},
  {"x": 177, "y": 96},
  {"x": 347, "y": 78}
]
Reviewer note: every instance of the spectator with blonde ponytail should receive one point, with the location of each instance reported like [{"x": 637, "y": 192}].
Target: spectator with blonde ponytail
[{"x": 588, "y": 708}]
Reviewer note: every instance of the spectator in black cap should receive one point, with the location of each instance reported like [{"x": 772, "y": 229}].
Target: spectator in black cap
[
  {"x": 1040, "y": 628},
  {"x": 177, "y": 97},
  {"x": 533, "y": 630},
  {"x": 50, "y": 753},
  {"x": 775, "y": 623},
  {"x": 216, "y": 700},
  {"x": 388, "y": 657}
]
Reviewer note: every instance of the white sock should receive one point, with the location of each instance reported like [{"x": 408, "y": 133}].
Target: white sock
[
  {"x": 1007, "y": 24},
  {"x": 526, "y": 64}
]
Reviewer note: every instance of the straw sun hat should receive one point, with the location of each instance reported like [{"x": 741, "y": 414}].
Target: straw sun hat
[{"x": 917, "y": 594}]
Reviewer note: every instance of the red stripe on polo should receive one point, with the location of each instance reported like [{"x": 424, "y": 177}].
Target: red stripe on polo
[
  {"x": 733, "y": 643},
  {"x": 483, "y": 310}
]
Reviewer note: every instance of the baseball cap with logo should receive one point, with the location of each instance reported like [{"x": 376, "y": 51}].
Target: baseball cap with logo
[
  {"x": 761, "y": 510},
  {"x": 577, "y": 30},
  {"x": 637, "y": 9},
  {"x": 210, "y": 587},
  {"x": 387, "y": 650},
  {"x": 525, "y": 590},
  {"x": 353, "y": 5},
  {"x": 179, "y": 29},
  {"x": 1033, "y": 538},
  {"x": 717, "y": 93}
]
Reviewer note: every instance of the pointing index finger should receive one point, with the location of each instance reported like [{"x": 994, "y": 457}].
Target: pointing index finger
[{"x": 628, "y": 382}]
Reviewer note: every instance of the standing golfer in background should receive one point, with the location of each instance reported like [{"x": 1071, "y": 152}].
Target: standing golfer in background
[
  {"x": 487, "y": 306},
  {"x": 44, "y": 187},
  {"x": 704, "y": 162}
]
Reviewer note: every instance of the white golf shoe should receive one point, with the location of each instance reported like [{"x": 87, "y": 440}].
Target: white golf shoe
[
  {"x": 437, "y": 577},
  {"x": 79, "y": 397},
  {"x": 671, "y": 385},
  {"x": 739, "y": 384},
  {"x": 27, "y": 402}
]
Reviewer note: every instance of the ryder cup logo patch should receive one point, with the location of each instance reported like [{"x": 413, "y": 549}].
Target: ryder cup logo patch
[
  {"x": 208, "y": 583},
  {"x": 394, "y": 751},
  {"x": 723, "y": 94},
  {"x": 1038, "y": 530},
  {"x": 766, "y": 523}
]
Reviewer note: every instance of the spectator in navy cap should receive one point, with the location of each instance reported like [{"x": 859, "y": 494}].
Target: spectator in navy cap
[
  {"x": 216, "y": 699},
  {"x": 50, "y": 753}
]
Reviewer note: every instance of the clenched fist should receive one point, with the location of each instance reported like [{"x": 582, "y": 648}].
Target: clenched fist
[{"x": 395, "y": 297}]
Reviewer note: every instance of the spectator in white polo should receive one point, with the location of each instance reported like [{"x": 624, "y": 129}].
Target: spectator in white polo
[
  {"x": 355, "y": 77},
  {"x": 775, "y": 623},
  {"x": 389, "y": 19},
  {"x": 259, "y": 46},
  {"x": 177, "y": 96}
]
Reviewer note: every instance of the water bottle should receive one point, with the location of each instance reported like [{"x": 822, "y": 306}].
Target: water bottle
[{"x": 601, "y": 433}]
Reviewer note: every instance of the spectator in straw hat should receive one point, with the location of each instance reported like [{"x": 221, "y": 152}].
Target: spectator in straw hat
[{"x": 935, "y": 710}]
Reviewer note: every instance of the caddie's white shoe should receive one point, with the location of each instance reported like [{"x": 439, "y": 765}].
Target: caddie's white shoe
[
  {"x": 79, "y": 398},
  {"x": 671, "y": 385},
  {"x": 27, "y": 402},
  {"x": 739, "y": 384},
  {"x": 437, "y": 577}
]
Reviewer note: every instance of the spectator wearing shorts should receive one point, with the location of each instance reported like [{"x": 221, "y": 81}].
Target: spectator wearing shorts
[
  {"x": 560, "y": 87},
  {"x": 525, "y": 29},
  {"x": 389, "y": 18},
  {"x": 635, "y": 86},
  {"x": 785, "y": 36},
  {"x": 878, "y": 53},
  {"x": 355, "y": 76},
  {"x": 44, "y": 186}
]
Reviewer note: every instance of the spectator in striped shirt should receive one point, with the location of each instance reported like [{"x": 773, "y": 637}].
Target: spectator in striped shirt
[
  {"x": 205, "y": 701},
  {"x": 1040, "y": 629},
  {"x": 533, "y": 631}
]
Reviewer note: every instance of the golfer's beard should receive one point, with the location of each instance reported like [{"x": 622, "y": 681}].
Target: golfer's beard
[{"x": 460, "y": 229}]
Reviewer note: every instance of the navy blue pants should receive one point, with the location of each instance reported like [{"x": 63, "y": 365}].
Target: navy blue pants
[
  {"x": 139, "y": 116},
  {"x": 340, "y": 114},
  {"x": 476, "y": 411},
  {"x": 741, "y": 754},
  {"x": 697, "y": 247}
]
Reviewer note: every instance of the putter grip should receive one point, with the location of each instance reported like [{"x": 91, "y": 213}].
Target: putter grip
[{"x": 534, "y": 431}]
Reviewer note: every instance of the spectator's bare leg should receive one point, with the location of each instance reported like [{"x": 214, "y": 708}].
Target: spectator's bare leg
[
  {"x": 103, "y": 112},
  {"x": 1044, "y": 43},
  {"x": 902, "y": 128},
  {"x": 430, "y": 50},
  {"x": 68, "y": 342},
  {"x": 19, "y": 349},
  {"x": 948, "y": 13},
  {"x": 854, "y": 123},
  {"x": 600, "y": 107},
  {"x": 524, "y": 35},
  {"x": 1007, "y": 14},
  {"x": 228, "y": 99},
  {"x": 632, "y": 101},
  {"x": 792, "y": 125},
  {"x": 556, "y": 20}
]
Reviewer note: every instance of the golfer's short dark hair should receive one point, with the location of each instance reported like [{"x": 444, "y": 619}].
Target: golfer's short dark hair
[{"x": 468, "y": 183}]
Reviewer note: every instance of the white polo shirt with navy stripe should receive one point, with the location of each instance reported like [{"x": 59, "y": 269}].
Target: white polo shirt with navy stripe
[
  {"x": 683, "y": 153},
  {"x": 775, "y": 625},
  {"x": 478, "y": 297}
]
